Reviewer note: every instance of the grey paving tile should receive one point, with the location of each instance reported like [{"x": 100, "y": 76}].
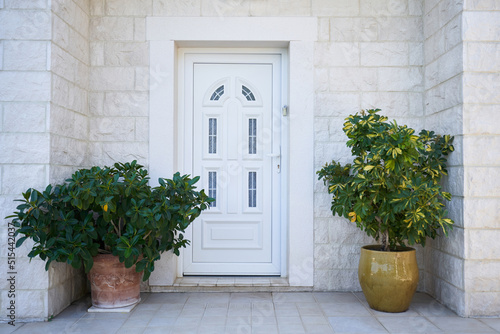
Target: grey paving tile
[
  {"x": 97, "y": 326},
  {"x": 7, "y": 329},
  {"x": 344, "y": 310},
  {"x": 138, "y": 321},
  {"x": 187, "y": 321},
  {"x": 265, "y": 329},
  {"x": 238, "y": 321},
  {"x": 265, "y": 308},
  {"x": 308, "y": 308},
  {"x": 289, "y": 321},
  {"x": 167, "y": 297},
  {"x": 318, "y": 329},
  {"x": 244, "y": 297},
  {"x": 131, "y": 330},
  {"x": 212, "y": 329},
  {"x": 335, "y": 297},
  {"x": 239, "y": 329},
  {"x": 157, "y": 330},
  {"x": 291, "y": 328},
  {"x": 356, "y": 325},
  {"x": 44, "y": 328},
  {"x": 160, "y": 321},
  {"x": 314, "y": 320},
  {"x": 493, "y": 323},
  {"x": 257, "y": 320},
  {"x": 460, "y": 325},
  {"x": 242, "y": 309},
  {"x": 293, "y": 297},
  {"x": 433, "y": 309},
  {"x": 213, "y": 320},
  {"x": 286, "y": 310},
  {"x": 408, "y": 325},
  {"x": 208, "y": 297}
]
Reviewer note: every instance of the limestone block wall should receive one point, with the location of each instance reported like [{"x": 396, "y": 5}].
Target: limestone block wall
[
  {"x": 481, "y": 144},
  {"x": 119, "y": 81},
  {"x": 25, "y": 87},
  {"x": 369, "y": 55},
  {"x": 443, "y": 113}
]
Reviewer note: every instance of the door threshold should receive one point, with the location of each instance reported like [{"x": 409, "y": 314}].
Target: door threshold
[{"x": 231, "y": 281}]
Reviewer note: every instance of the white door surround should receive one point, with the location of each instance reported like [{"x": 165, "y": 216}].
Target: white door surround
[{"x": 166, "y": 35}]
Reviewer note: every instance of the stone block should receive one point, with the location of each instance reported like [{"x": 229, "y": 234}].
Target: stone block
[
  {"x": 451, "y": 296},
  {"x": 24, "y": 86},
  {"x": 455, "y": 209},
  {"x": 385, "y": 54},
  {"x": 448, "y": 268},
  {"x": 400, "y": 29},
  {"x": 342, "y": 231},
  {"x": 25, "y": 4},
  {"x": 71, "y": 13},
  {"x": 97, "y": 7},
  {"x": 481, "y": 26},
  {"x": 220, "y": 8},
  {"x": 391, "y": 103},
  {"x": 482, "y": 182},
  {"x": 97, "y": 53},
  {"x": 177, "y": 7},
  {"x": 482, "y": 276},
  {"x": 31, "y": 304},
  {"x": 482, "y": 304},
  {"x": 353, "y": 29},
  {"x": 430, "y": 4},
  {"x": 280, "y": 8},
  {"x": 335, "y": 8},
  {"x": 481, "y": 150},
  {"x": 353, "y": 79},
  {"x": 128, "y": 8},
  {"x": 321, "y": 83},
  {"x": 60, "y": 32},
  {"x": 25, "y": 24},
  {"x": 16, "y": 179},
  {"x": 326, "y": 152},
  {"x": 110, "y": 152},
  {"x": 336, "y": 104},
  {"x": 482, "y": 244},
  {"x": 142, "y": 129},
  {"x": 122, "y": 104},
  {"x": 323, "y": 29},
  {"x": 448, "y": 9},
  {"x": 415, "y": 7},
  {"x": 335, "y": 126},
  {"x": 400, "y": 79},
  {"x": 79, "y": 47},
  {"x": 62, "y": 63},
  {"x": 453, "y": 244},
  {"x": 321, "y": 132},
  {"x": 27, "y": 271},
  {"x": 482, "y": 213},
  {"x": 112, "y": 129},
  {"x": 481, "y": 119},
  {"x": 384, "y": 7},
  {"x": 482, "y": 5},
  {"x": 478, "y": 57},
  {"x": 96, "y": 103},
  {"x": 481, "y": 88},
  {"x": 112, "y": 28},
  {"x": 126, "y": 54},
  {"x": 58, "y": 173},
  {"x": 443, "y": 96},
  {"x": 323, "y": 257},
  {"x": 25, "y": 148},
  {"x": 140, "y": 29},
  {"x": 321, "y": 228},
  {"x": 346, "y": 256},
  {"x": 454, "y": 182},
  {"x": 336, "y": 54},
  {"x": 141, "y": 79},
  {"x": 69, "y": 123},
  {"x": 68, "y": 151},
  {"x": 322, "y": 205},
  {"x": 24, "y": 117},
  {"x": 25, "y": 55},
  {"x": 416, "y": 51},
  {"x": 416, "y": 107},
  {"x": 112, "y": 78},
  {"x": 59, "y": 297}
]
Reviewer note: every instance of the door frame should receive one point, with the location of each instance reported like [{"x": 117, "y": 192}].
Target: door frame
[
  {"x": 187, "y": 56},
  {"x": 300, "y": 36}
]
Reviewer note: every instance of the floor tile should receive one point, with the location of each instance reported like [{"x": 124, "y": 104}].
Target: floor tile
[
  {"x": 167, "y": 297},
  {"x": 265, "y": 329},
  {"x": 318, "y": 329},
  {"x": 212, "y": 329},
  {"x": 335, "y": 297},
  {"x": 160, "y": 321},
  {"x": 433, "y": 309},
  {"x": 243, "y": 297},
  {"x": 238, "y": 321},
  {"x": 243, "y": 309},
  {"x": 345, "y": 309},
  {"x": 158, "y": 330},
  {"x": 308, "y": 308},
  {"x": 314, "y": 320},
  {"x": 293, "y": 297},
  {"x": 213, "y": 320},
  {"x": 286, "y": 310},
  {"x": 7, "y": 329},
  {"x": 256, "y": 320},
  {"x": 356, "y": 325},
  {"x": 493, "y": 323},
  {"x": 408, "y": 325},
  {"x": 131, "y": 330},
  {"x": 460, "y": 325},
  {"x": 240, "y": 329}
]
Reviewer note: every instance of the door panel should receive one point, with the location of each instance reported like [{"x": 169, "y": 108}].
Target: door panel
[{"x": 234, "y": 132}]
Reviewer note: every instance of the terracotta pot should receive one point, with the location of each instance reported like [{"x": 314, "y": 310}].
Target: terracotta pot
[
  {"x": 388, "y": 279},
  {"x": 113, "y": 285}
]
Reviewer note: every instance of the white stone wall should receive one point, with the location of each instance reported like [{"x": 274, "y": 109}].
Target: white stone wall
[
  {"x": 443, "y": 114},
  {"x": 25, "y": 88},
  {"x": 369, "y": 55},
  {"x": 119, "y": 81},
  {"x": 481, "y": 158}
]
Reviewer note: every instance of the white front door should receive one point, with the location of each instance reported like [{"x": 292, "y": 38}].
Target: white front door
[{"x": 233, "y": 103}]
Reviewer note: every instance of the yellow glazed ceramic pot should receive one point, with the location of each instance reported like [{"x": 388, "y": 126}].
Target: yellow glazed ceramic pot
[{"x": 388, "y": 279}]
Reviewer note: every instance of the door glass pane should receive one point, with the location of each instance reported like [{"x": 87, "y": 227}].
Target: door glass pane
[
  {"x": 252, "y": 136},
  {"x": 217, "y": 94},
  {"x": 212, "y": 135},
  {"x": 252, "y": 189},
  {"x": 247, "y": 93},
  {"x": 212, "y": 187}
]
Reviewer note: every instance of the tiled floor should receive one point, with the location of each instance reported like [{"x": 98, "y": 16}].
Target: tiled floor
[{"x": 258, "y": 312}]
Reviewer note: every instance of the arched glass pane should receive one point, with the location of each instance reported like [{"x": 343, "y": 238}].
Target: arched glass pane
[
  {"x": 217, "y": 94},
  {"x": 247, "y": 93}
]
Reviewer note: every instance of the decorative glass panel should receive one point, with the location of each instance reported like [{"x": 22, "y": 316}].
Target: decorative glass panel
[
  {"x": 247, "y": 93},
  {"x": 212, "y": 135},
  {"x": 217, "y": 94},
  {"x": 252, "y": 189},
  {"x": 212, "y": 187},
  {"x": 252, "y": 136}
]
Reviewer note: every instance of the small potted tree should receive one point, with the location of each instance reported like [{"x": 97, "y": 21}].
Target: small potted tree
[
  {"x": 392, "y": 191},
  {"x": 111, "y": 221}
]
